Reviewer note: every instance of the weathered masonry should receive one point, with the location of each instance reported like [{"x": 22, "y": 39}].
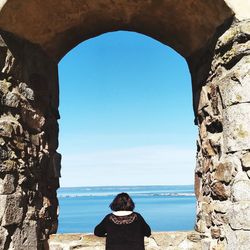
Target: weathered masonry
[{"x": 212, "y": 35}]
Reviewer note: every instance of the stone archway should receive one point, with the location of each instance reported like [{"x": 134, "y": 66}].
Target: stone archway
[{"x": 35, "y": 35}]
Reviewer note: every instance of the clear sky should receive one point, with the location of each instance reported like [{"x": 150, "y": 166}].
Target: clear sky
[{"x": 126, "y": 113}]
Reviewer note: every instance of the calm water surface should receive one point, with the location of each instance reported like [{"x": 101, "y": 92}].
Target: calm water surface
[{"x": 165, "y": 208}]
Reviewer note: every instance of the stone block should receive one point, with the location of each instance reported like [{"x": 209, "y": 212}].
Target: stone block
[
  {"x": 186, "y": 244},
  {"x": 238, "y": 239},
  {"x": 3, "y": 153},
  {"x": 219, "y": 246},
  {"x": 197, "y": 186},
  {"x": 207, "y": 148},
  {"x": 7, "y": 184},
  {"x": 7, "y": 166},
  {"x": 170, "y": 239},
  {"x": 243, "y": 239},
  {"x": 218, "y": 219},
  {"x": 3, "y": 199},
  {"x": 203, "y": 130},
  {"x": 33, "y": 119},
  {"x": 26, "y": 236},
  {"x": 3, "y": 237},
  {"x": 230, "y": 237},
  {"x": 241, "y": 190},
  {"x": 227, "y": 37},
  {"x": 246, "y": 161},
  {"x": 236, "y": 127},
  {"x": 150, "y": 244},
  {"x": 194, "y": 236},
  {"x": 237, "y": 51},
  {"x": 235, "y": 87},
  {"x": 4, "y": 86},
  {"x": 221, "y": 206},
  {"x": 10, "y": 64},
  {"x": 25, "y": 91},
  {"x": 12, "y": 99},
  {"x": 206, "y": 244},
  {"x": 215, "y": 142},
  {"x": 203, "y": 101},
  {"x": 9, "y": 125},
  {"x": 55, "y": 246},
  {"x": 241, "y": 176},
  {"x": 220, "y": 191},
  {"x": 35, "y": 139},
  {"x": 239, "y": 215},
  {"x": 201, "y": 226},
  {"x": 215, "y": 232},
  {"x": 224, "y": 172},
  {"x": 32, "y": 213},
  {"x": 13, "y": 213},
  {"x": 91, "y": 241},
  {"x": 2, "y": 141}
]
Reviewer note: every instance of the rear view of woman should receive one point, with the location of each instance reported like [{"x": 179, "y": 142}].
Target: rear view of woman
[{"x": 124, "y": 229}]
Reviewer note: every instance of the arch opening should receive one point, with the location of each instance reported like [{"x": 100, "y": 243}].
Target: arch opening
[
  {"x": 132, "y": 118},
  {"x": 35, "y": 35}
]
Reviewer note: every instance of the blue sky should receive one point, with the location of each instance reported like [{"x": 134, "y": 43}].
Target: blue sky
[{"x": 126, "y": 113}]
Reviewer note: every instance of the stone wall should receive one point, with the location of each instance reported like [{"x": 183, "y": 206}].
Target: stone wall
[
  {"x": 157, "y": 241},
  {"x": 222, "y": 175},
  {"x": 29, "y": 164}
]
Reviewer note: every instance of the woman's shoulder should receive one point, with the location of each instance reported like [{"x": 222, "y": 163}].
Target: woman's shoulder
[
  {"x": 106, "y": 217},
  {"x": 138, "y": 214}
]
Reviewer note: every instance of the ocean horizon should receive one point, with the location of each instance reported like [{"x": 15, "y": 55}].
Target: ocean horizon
[{"x": 164, "y": 207}]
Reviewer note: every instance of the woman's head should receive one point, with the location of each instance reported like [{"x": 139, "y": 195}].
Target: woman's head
[{"x": 122, "y": 202}]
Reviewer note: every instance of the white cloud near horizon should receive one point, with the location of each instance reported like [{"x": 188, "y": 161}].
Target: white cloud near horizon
[{"x": 145, "y": 165}]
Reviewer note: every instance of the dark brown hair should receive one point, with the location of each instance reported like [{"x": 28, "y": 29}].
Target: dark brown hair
[{"x": 122, "y": 202}]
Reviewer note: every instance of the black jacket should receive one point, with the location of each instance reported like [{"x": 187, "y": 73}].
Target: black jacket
[{"x": 123, "y": 232}]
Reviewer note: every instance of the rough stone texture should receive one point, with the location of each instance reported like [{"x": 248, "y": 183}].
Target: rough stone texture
[
  {"x": 3, "y": 199},
  {"x": 28, "y": 209},
  {"x": 217, "y": 49},
  {"x": 223, "y": 158},
  {"x": 239, "y": 215},
  {"x": 25, "y": 237},
  {"x": 224, "y": 172},
  {"x": 234, "y": 87},
  {"x": 7, "y": 184},
  {"x": 246, "y": 161},
  {"x": 3, "y": 237},
  {"x": 236, "y": 125},
  {"x": 70, "y": 23},
  {"x": 242, "y": 239},
  {"x": 220, "y": 191},
  {"x": 158, "y": 241},
  {"x": 13, "y": 213},
  {"x": 241, "y": 190},
  {"x": 237, "y": 240}
]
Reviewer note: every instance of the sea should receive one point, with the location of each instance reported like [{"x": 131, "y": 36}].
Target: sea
[{"x": 165, "y": 208}]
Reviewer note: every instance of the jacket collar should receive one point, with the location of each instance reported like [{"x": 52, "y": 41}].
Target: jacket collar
[{"x": 122, "y": 213}]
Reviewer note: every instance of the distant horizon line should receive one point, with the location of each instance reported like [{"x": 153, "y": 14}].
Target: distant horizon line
[{"x": 153, "y": 185}]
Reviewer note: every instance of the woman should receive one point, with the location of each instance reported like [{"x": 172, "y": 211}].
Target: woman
[{"x": 124, "y": 229}]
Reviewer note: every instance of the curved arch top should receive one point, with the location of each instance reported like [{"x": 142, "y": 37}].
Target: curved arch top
[{"x": 59, "y": 25}]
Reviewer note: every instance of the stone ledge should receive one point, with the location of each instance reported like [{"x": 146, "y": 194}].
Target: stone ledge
[{"x": 157, "y": 241}]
